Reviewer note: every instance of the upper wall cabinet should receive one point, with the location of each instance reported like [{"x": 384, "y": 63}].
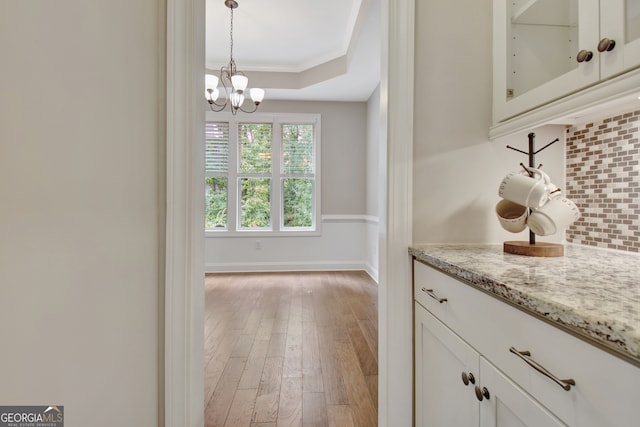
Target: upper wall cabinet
[{"x": 545, "y": 50}]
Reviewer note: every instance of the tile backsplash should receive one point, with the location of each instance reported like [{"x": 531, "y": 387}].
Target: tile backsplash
[{"x": 603, "y": 180}]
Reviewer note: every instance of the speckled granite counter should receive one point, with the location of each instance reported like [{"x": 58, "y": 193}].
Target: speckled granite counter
[{"x": 594, "y": 293}]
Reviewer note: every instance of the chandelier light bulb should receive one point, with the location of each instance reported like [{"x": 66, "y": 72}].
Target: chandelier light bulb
[
  {"x": 239, "y": 82},
  {"x": 257, "y": 94},
  {"x": 237, "y": 99},
  {"x": 210, "y": 81}
]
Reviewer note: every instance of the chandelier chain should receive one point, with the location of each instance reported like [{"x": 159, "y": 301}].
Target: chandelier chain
[{"x": 231, "y": 37}]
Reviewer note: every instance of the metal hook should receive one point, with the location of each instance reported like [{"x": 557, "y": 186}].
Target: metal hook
[{"x": 525, "y": 168}]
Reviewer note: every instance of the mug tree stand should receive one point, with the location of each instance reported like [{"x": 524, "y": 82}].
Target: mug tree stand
[{"x": 531, "y": 248}]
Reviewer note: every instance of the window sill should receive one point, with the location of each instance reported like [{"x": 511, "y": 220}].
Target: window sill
[{"x": 262, "y": 234}]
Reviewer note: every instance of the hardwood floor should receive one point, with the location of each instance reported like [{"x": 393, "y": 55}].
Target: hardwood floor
[{"x": 291, "y": 349}]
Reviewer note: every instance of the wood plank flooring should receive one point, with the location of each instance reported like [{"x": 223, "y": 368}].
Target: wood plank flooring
[{"x": 291, "y": 349}]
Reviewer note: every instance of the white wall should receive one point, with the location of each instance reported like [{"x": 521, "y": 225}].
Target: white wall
[
  {"x": 81, "y": 210},
  {"x": 457, "y": 170},
  {"x": 373, "y": 180},
  {"x": 373, "y": 143},
  {"x": 341, "y": 246}
]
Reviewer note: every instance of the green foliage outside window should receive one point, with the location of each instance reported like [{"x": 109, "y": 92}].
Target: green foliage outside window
[
  {"x": 216, "y": 202},
  {"x": 256, "y": 202},
  {"x": 255, "y": 158},
  {"x": 297, "y": 202}
]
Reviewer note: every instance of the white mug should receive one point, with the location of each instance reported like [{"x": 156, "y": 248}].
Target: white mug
[
  {"x": 525, "y": 190},
  {"x": 557, "y": 214},
  {"x": 512, "y": 216}
]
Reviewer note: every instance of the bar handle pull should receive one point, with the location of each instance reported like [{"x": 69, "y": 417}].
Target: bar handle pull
[
  {"x": 433, "y": 295},
  {"x": 526, "y": 356}
]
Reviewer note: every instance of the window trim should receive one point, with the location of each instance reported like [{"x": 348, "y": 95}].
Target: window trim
[{"x": 233, "y": 214}]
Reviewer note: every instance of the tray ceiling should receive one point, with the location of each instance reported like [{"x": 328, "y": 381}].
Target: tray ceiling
[{"x": 300, "y": 49}]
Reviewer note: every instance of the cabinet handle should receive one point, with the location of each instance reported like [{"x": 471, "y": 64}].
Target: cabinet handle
[
  {"x": 433, "y": 295},
  {"x": 526, "y": 356},
  {"x": 606, "y": 45},
  {"x": 482, "y": 393},
  {"x": 468, "y": 378},
  {"x": 584, "y": 56}
]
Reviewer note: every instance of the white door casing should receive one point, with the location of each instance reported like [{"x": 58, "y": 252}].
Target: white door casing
[{"x": 184, "y": 251}]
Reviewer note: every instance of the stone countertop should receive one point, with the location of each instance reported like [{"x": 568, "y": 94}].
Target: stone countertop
[{"x": 594, "y": 293}]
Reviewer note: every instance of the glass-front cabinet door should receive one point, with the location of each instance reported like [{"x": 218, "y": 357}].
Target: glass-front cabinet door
[
  {"x": 620, "y": 33},
  {"x": 543, "y": 50}
]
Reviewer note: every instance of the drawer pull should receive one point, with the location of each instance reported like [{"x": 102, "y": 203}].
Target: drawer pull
[
  {"x": 526, "y": 356},
  {"x": 433, "y": 295}
]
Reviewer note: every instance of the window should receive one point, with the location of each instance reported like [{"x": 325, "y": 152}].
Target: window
[
  {"x": 216, "y": 180},
  {"x": 262, "y": 174},
  {"x": 297, "y": 176}
]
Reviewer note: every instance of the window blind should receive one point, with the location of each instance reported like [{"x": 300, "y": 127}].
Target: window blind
[
  {"x": 255, "y": 147},
  {"x": 297, "y": 149},
  {"x": 217, "y": 147}
]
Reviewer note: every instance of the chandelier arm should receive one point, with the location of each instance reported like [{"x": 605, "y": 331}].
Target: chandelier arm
[
  {"x": 255, "y": 108},
  {"x": 216, "y": 110},
  {"x": 211, "y": 101}
]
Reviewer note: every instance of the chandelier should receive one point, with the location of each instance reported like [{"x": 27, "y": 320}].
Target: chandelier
[{"x": 234, "y": 82}]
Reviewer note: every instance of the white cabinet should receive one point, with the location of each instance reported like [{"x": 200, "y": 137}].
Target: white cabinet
[
  {"x": 545, "y": 50},
  {"x": 460, "y": 329},
  {"x": 442, "y": 399},
  {"x": 455, "y": 386},
  {"x": 620, "y": 22},
  {"x": 508, "y": 405}
]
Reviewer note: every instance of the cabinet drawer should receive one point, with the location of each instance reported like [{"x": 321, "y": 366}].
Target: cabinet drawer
[
  {"x": 605, "y": 391},
  {"x": 445, "y": 297}
]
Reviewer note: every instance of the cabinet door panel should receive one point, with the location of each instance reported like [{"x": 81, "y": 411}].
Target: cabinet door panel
[
  {"x": 508, "y": 405},
  {"x": 535, "y": 52},
  {"x": 620, "y": 21},
  {"x": 442, "y": 399}
]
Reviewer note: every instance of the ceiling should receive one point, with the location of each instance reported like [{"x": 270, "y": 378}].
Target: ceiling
[{"x": 312, "y": 50}]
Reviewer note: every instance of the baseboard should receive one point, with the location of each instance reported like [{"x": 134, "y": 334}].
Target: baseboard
[
  {"x": 372, "y": 272},
  {"x": 288, "y": 266}
]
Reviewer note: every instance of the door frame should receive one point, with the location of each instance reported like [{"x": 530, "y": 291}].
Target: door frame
[
  {"x": 183, "y": 380},
  {"x": 184, "y": 237}
]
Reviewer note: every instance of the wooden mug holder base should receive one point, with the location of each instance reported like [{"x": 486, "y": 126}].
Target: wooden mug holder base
[{"x": 540, "y": 249}]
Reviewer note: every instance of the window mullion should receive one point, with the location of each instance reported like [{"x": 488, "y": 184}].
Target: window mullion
[
  {"x": 232, "y": 202},
  {"x": 276, "y": 180}
]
